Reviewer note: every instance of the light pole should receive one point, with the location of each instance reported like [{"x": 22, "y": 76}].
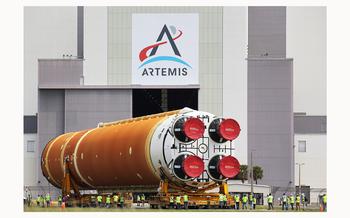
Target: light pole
[
  {"x": 300, "y": 164},
  {"x": 251, "y": 172}
]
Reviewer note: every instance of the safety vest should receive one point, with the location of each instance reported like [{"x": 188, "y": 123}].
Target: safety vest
[
  {"x": 142, "y": 197},
  {"x": 60, "y": 198},
  {"x": 324, "y": 198},
  {"x": 270, "y": 199},
  {"x": 171, "y": 199},
  {"x": 47, "y": 197},
  {"x": 298, "y": 199},
  {"x": 250, "y": 197},
  {"x": 254, "y": 200},
  {"x": 185, "y": 198},
  {"x": 224, "y": 198},
  {"x": 288, "y": 200},
  {"x": 236, "y": 198},
  {"x": 121, "y": 199},
  {"x": 284, "y": 198},
  {"x": 99, "y": 198},
  {"x": 244, "y": 199},
  {"x": 115, "y": 198},
  {"x": 221, "y": 197},
  {"x": 178, "y": 199},
  {"x": 291, "y": 199},
  {"x": 108, "y": 200}
]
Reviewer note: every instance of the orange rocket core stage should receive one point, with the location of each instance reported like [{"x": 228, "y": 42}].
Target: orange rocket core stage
[{"x": 112, "y": 155}]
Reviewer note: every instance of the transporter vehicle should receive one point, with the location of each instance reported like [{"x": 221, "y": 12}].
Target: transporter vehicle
[{"x": 172, "y": 153}]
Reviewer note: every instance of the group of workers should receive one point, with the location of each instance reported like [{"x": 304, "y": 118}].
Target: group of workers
[
  {"x": 245, "y": 200},
  {"x": 118, "y": 201},
  {"x": 42, "y": 201},
  {"x": 288, "y": 201},
  {"x": 175, "y": 202}
]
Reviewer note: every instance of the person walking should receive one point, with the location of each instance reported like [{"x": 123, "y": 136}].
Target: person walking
[
  {"x": 225, "y": 201},
  {"x": 254, "y": 202},
  {"x": 48, "y": 199},
  {"x": 185, "y": 201},
  {"x": 270, "y": 201},
  {"x": 178, "y": 202},
  {"x": 284, "y": 201},
  {"x": 108, "y": 201},
  {"x": 324, "y": 202},
  {"x": 244, "y": 202},
  {"x": 251, "y": 196},
  {"x": 292, "y": 200},
  {"x": 59, "y": 200},
  {"x": 143, "y": 199},
  {"x": 221, "y": 200},
  {"x": 237, "y": 201},
  {"x": 115, "y": 200},
  {"x": 38, "y": 201},
  {"x": 297, "y": 202},
  {"x": 121, "y": 200},
  {"x": 138, "y": 200},
  {"x": 99, "y": 200},
  {"x": 303, "y": 200},
  {"x": 171, "y": 201}
]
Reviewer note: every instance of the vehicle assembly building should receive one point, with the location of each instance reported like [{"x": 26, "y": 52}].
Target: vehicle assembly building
[{"x": 127, "y": 96}]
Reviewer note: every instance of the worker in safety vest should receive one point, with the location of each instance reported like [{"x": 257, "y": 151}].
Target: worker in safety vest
[
  {"x": 48, "y": 199},
  {"x": 92, "y": 201},
  {"x": 303, "y": 200},
  {"x": 171, "y": 201},
  {"x": 297, "y": 202},
  {"x": 108, "y": 201},
  {"x": 291, "y": 200},
  {"x": 59, "y": 199},
  {"x": 225, "y": 201},
  {"x": 237, "y": 201},
  {"x": 324, "y": 202},
  {"x": 251, "y": 196},
  {"x": 270, "y": 201},
  {"x": 244, "y": 202},
  {"x": 178, "y": 202},
  {"x": 254, "y": 202},
  {"x": 143, "y": 198},
  {"x": 221, "y": 200},
  {"x": 284, "y": 201},
  {"x": 115, "y": 200},
  {"x": 138, "y": 200},
  {"x": 121, "y": 200},
  {"x": 99, "y": 200},
  {"x": 185, "y": 201},
  {"x": 38, "y": 201}
]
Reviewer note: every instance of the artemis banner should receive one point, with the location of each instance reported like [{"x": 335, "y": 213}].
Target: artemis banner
[{"x": 165, "y": 49}]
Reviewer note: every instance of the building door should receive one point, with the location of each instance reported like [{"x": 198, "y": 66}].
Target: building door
[{"x": 152, "y": 101}]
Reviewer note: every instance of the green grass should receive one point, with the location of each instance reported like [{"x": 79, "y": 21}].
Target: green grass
[{"x": 77, "y": 209}]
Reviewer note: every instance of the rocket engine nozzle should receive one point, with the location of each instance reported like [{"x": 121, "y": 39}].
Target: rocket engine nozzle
[
  {"x": 222, "y": 130},
  {"x": 187, "y": 129},
  {"x": 221, "y": 167},
  {"x": 188, "y": 166}
]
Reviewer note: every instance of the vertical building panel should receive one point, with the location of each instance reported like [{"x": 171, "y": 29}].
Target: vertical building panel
[
  {"x": 50, "y": 120},
  {"x": 86, "y": 108},
  {"x": 267, "y": 32}
]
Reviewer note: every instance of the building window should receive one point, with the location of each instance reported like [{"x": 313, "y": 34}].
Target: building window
[
  {"x": 301, "y": 146},
  {"x": 30, "y": 146}
]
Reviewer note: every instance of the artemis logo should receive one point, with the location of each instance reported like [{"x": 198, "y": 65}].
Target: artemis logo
[{"x": 170, "y": 38}]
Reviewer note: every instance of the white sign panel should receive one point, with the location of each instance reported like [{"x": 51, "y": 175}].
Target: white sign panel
[{"x": 165, "y": 49}]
